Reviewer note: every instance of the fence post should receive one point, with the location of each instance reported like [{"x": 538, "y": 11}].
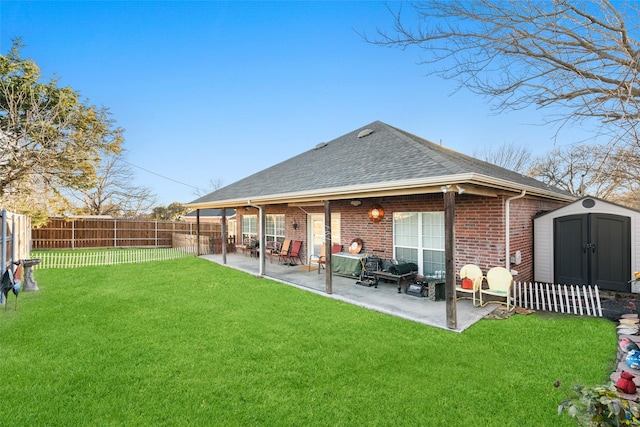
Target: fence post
[
  {"x": 3, "y": 258},
  {"x": 13, "y": 237}
]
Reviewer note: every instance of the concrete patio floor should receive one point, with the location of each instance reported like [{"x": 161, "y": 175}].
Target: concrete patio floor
[{"x": 385, "y": 298}]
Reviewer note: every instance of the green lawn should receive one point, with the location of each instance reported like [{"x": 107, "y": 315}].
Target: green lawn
[{"x": 188, "y": 342}]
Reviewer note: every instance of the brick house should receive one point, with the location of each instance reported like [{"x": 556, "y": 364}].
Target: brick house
[{"x": 408, "y": 182}]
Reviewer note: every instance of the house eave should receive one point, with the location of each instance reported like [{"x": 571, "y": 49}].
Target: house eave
[{"x": 471, "y": 183}]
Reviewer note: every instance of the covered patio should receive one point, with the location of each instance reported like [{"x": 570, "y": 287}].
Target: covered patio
[{"x": 384, "y": 299}]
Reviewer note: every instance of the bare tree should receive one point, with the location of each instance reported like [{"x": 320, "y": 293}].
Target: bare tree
[
  {"x": 580, "y": 56},
  {"x": 510, "y": 156},
  {"x": 627, "y": 166},
  {"x": 594, "y": 170},
  {"x": 214, "y": 184},
  {"x": 113, "y": 193}
]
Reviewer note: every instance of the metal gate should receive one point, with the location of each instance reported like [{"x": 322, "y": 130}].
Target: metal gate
[{"x": 15, "y": 237}]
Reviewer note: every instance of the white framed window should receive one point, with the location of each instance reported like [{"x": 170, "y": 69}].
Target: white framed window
[
  {"x": 231, "y": 227},
  {"x": 249, "y": 226},
  {"x": 274, "y": 228},
  {"x": 418, "y": 237}
]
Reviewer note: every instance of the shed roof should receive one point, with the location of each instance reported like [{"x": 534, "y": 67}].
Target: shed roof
[
  {"x": 588, "y": 204},
  {"x": 374, "y": 160}
]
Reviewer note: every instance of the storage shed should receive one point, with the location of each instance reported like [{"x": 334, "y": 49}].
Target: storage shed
[{"x": 588, "y": 242}]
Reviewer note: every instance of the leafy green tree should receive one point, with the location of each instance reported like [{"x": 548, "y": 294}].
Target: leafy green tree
[
  {"x": 173, "y": 212},
  {"x": 50, "y": 139}
]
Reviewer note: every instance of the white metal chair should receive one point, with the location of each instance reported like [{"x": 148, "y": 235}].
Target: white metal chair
[
  {"x": 500, "y": 281},
  {"x": 474, "y": 274}
]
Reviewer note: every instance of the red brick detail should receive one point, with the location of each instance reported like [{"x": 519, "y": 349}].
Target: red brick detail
[{"x": 479, "y": 226}]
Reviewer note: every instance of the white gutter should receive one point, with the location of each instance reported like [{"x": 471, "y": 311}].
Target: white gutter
[
  {"x": 361, "y": 190},
  {"x": 507, "y": 225}
]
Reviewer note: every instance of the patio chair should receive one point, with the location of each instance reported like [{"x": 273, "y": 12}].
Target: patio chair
[
  {"x": 294, "y": 252},
  {"x": 284, "y": 251},
  {"x": 470, "y": 273},
  {"x": 272, "y": 248},
  {"x": 500, "y": 281},
  {"x": 317, "y": 258},
  {"x": 321, "y": 259},
  {"x": 248, "y": 245}
]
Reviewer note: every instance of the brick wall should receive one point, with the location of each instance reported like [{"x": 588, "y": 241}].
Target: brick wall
[
  {"x": 479, "y": 227},
  {"x": 521, "y": 232},
  {"x": 479, "y": 231}
]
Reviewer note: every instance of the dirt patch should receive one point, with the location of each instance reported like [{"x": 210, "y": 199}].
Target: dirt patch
[
  {"x": 615, "y": 305},
  {"x": 501, "y": 313}
]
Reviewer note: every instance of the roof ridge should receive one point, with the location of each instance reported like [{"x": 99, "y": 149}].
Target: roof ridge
[
  {"x": 444, "y": 154},
  {"x": 356, "y": 158},
  {"x": 459, "y": 156}
]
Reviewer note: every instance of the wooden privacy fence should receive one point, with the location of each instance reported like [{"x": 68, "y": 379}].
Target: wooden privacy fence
[
  {"x": 86, "y": 233},
  {"x": 208, "y": 244},
  {"x": 571, "y": 299}
]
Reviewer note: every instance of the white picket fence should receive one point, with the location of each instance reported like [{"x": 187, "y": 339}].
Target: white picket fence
[
  {"x": 109, "y": 257},
  {"x": 571, "y": 299}
]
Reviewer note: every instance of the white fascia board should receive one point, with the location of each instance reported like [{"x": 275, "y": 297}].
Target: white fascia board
[{"x": 361, "y": 190}]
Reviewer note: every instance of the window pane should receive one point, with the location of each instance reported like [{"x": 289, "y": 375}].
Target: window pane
[
  {"x": 279, "y": 229},
  {"x": 433, "y": 243},
  {"x": 270, "y": 226},
  {"x": 405, "y": 232},
  {"x": 419, "y": 238},
  {"x": 407, "y": 255},
  {"x": 274, "y": 227},
  {"x": 433, "y": 263},
  {"x": 433, "y": 230},
  {"x": 249, "y": 226}
]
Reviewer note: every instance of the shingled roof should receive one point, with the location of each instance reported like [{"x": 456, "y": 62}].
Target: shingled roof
[
  {"x": 210, "y": 213},
  {"x": 374, "y": 160}
]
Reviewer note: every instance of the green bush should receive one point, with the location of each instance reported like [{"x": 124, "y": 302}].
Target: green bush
[{"x": 599, "y": 406}]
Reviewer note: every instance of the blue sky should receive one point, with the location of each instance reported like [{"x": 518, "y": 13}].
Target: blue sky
[{"x": 219, "y": 90}]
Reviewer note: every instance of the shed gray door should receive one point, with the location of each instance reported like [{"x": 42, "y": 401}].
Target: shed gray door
[{"x": 593, "y": 249}]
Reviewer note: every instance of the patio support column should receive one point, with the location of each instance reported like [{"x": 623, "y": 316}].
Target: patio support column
[
  {"x": 327, "y": 245},
  {"x": 224, "y": 235},
  {"x": 261, "y": 240},
  {"x": 198, "y": 232},
  {"x": 449, "y": 256}
]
